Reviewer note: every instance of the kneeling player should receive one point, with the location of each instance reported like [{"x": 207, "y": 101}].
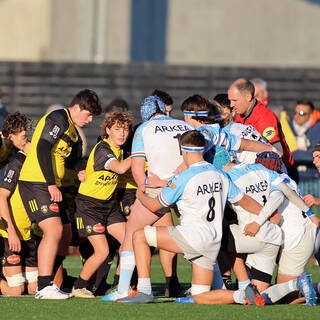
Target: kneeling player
[
  {"x": 97, "y": 208},
  {"x": 200, "y": 192},
  {"x": 19, "y": 250}
]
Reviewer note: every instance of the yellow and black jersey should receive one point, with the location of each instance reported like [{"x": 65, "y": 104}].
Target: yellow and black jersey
[
  {"x": 18, "y": 213},
  {"x": 55, "y": 145},
  {"x": 5, "y": 152},
  {"x": 100, "y": 181}
]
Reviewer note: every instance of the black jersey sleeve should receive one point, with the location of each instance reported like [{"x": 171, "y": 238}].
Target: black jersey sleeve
[
  {"x": 12, "y": 172},
  {"x": 56, "y": 124},
  {"x": 102, "y": 156}
]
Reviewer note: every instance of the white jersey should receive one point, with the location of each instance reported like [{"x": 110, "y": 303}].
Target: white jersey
[
  {"x": 158, "y": 141},
  {"x": 294, "y": 221},
  {"x": 246, "y": 132},
  {"x": 257, "y": 182},
  {"x": 200, "y": 193}
]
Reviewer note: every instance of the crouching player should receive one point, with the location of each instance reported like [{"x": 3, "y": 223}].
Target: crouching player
[
  {"x": 200, "y": 192},
  {"x": 97, "y": 209},
  {"x": 19, "y": 256}
]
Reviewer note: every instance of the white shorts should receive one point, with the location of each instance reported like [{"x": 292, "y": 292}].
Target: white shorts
[
  {"x": 261, "y": 255},
  {"x": 292, "y": 262},
  {"x": 189, "y": 253}
]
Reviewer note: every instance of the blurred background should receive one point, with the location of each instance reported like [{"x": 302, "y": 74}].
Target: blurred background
[{"x": 50, "y": 49}]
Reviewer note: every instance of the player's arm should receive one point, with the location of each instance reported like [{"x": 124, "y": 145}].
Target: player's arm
[
  {"x": 151, "y": 204},
  {"x": 297, "y": 201},
  {"x": 257, "y": 146},
  {"x": 138, "y": 170},
  {"x": 55, "y": 126},
  {"x": 13, "y": 239},
  {"x": 120, "y": 167},
  {"x": 154, "y": 181}
]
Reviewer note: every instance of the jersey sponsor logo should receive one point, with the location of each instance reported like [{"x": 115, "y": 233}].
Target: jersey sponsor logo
[
  {"x": 207, "y": 132},
  {"x": 261, "y": 186},
  {"x": 44, "y": 209},
  {"x": 13, "y": 259},
  {"x": 99, "y": 228},
  {"x": 89, "y": 229},
  {"x": 9, "y": 176},
  {"x": 269, "y": 133},
  {"x": 54, "y": 132},
  {"x": 171, "y": 185},
  {"x": 209, "y": 188},
  {"x": 54, "y": 207},
  {"x": 108, "y": 178},
  {"x": 173, "y": 128}
]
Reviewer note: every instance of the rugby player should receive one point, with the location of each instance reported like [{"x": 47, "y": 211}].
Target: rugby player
[
  {"x": 97, "y": 209},
  {"x": 54, "y": 141},
  {"x": 157, "y": 142},
  {"x": 19, "y": 254}
]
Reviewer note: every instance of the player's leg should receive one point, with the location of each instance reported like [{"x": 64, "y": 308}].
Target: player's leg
[
  {"x": 142, "y": 240},
  {"x": 101, "y": 250},
  {"x": 168, "y": 262},
  {"x": 139, "y": 217},
  {"x": 15, "y": 282},
  {"x": 31, "y": 275}
]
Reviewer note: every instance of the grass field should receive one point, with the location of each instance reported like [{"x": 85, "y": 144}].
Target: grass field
[{"x": 30, "y": 308}]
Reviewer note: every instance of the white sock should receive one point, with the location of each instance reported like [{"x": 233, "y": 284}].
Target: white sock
[{"x": 144, "y": 285}]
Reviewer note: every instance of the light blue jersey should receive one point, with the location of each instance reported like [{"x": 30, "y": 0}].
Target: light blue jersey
[
  {"x": 258, "y": 182},
  {"x": 158, "y": 141},
  {"x": 215, "y": 137},
  {"x": 200, "y": 193},
  {"x": 245, "y": 132}
]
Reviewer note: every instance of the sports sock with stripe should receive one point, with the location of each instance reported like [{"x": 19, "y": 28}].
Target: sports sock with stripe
[{"x": 127, "y": 264}]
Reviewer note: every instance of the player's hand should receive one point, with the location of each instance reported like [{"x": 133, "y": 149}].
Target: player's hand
[
  {"x": 14, "y": 241},
  {"x": 251, "y": 229},
  {"x": 155, "y": 182},
  {"x": 82, "y": 175},
  {"x": 315, "y": 220},
  {"x": 275, "y": 218},
  {"x": 311, "y": 200},
  {"x": 55, "y": 193}
]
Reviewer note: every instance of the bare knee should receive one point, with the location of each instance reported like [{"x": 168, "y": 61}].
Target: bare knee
[{"x": 139, "y": 236}]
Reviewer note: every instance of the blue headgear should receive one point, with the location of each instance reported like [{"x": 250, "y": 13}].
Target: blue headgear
[
  {"x": 149, "y": 107},
  {"x": 221, "y": 157}
]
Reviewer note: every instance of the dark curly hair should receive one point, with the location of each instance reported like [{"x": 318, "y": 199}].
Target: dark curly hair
[
  {"x": 15, "y": 123},
  {"x": 88, "y": 100}
]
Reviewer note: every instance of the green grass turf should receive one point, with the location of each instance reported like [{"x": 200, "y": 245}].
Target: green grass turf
[{"x": 30, "y": 308}]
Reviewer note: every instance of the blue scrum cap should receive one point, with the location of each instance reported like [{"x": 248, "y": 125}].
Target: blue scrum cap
[{"x": 149, "y": 107}]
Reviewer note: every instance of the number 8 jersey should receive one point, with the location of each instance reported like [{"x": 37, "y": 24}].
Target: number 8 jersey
[
  {"x": 200, "y": 193},
  {"x": 158, "y": 141}
]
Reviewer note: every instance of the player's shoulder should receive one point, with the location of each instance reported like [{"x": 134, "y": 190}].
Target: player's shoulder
[{"x": 59, "y": 117}]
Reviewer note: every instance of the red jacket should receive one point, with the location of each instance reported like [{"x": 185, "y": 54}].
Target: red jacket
[{"x": 267, "y": 123}]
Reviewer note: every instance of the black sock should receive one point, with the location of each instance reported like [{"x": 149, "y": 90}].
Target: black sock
[
  {"x": 44, "y": 281},
  {"x": 57, "y": 263},
  {"x": 80, "y": 283},
  {"x": 115, "y": 280}
]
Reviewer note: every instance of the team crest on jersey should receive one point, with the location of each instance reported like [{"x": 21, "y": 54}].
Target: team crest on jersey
[
  {"x": 54, "y": 132},
  {"x": 89, "y": 228},
  {"x": 13, "y": 259},
  {"x": 44, "y": 209},
  {"x": 269, "y": 133},
  {"x": 54, "y": 207},
  {"x": 3, "y": 261},
  {"x": 99, "y": 228},
  {"x": 171, "y": 185},
  {"x": 9, "y": 176}
]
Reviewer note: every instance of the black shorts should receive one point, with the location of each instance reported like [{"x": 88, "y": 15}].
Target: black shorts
[
  {"x": 94, "y": 216},
  {"x": 27, "y": 257},
  {"x": 126, "y": 198},
  {"x": 36, "y": 200}
]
